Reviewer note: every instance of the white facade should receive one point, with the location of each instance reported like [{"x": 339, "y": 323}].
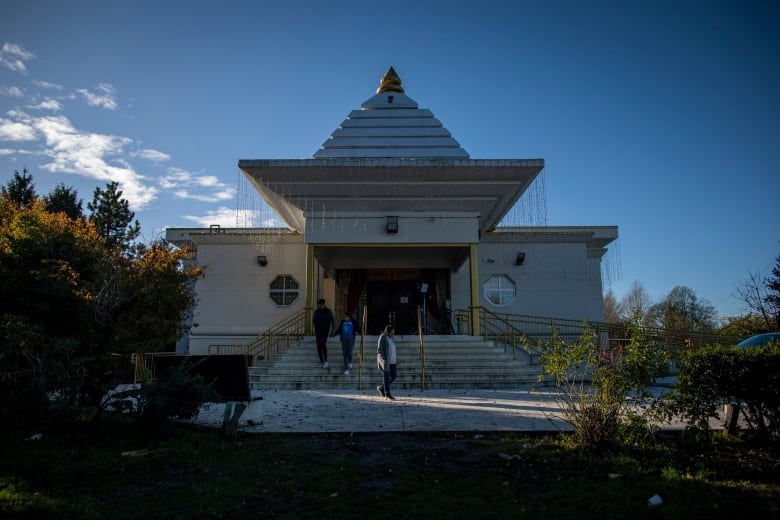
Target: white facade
[{"x": 391, "y": 204}]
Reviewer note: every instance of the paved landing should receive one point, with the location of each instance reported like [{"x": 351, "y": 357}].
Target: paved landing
[{"x": 310, "y": 411}]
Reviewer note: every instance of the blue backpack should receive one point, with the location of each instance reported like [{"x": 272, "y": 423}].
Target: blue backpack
[{"x": 347, "y": 330}]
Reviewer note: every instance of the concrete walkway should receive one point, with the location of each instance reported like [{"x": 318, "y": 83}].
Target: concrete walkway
[{"x": 311, "y": 411}]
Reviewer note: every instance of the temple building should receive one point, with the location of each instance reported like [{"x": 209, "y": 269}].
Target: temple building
[{"x": 392, "y": 221}]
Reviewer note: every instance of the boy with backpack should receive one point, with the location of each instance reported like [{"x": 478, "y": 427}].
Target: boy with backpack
[{"x": 347, "y": 329}]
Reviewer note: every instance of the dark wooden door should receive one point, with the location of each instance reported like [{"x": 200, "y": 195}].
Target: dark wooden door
[{"x": 392, "y": 302}]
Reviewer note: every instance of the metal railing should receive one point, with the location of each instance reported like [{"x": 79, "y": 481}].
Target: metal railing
[
  {"x": 363, "y": 322},
  {"x": 422, "y": 348},
  {"x": 270, "y": 342},
  {"x": 520, "y": 332},
  {"x": 143, "y": 365}
]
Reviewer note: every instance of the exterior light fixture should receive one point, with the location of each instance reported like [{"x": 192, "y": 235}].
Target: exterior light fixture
[
  {"x": 520, "y": 258},
  {"x": 262, "y": 260},
  {"x": 392, "y": 225}
]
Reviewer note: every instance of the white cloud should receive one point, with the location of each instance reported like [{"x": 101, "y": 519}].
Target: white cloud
[
  {"x": 16, "y": 131},
  {"x": 13, "y": 56},
  {"x": 48, "y": 104},
  {"x": 7, "y": 151},
  {"x": 104, "y": 97},
  {"x": 181, "y": 183},
  {"x": 46, "y": 84},
  {"x": 151, "y": 155},
  {"x": 225, "y": 217},
  {"x": 216, "y": 196},
  {"x": 230, "y": 218},
  {"x": 11, "y": 91},
  {"x": 93, "y": 155}
]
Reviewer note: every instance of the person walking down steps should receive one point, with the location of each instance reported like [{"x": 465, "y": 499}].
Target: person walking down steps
[
  {"x": 324, "y": 323},
  {"x": 347, "y": 329},
  {"x": 387, "y": 361}
]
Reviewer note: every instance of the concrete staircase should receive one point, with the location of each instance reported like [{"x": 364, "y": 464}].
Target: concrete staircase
[{"x": 451, "y": 361}]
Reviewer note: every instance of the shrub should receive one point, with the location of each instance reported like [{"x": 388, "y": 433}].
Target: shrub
[
  {"x": 178, "y": 394},
  {"x": 601, "y": 391},
  {"x": 714, "y": 376}
]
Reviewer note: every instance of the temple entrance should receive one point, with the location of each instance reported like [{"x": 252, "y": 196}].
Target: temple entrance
[
  {"x": 393, "y": 296},
  {"x": 392, "y": 301}
]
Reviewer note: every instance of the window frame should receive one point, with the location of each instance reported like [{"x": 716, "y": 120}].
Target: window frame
[
  {"x": 285, "y": 292},
  {"x": 500, "y": 291}
]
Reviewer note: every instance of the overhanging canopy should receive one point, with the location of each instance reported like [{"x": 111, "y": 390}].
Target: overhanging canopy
[{"x": 309, "y": 187}]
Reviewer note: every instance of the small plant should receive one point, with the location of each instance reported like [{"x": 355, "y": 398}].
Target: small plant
[
  {"x": 603, "y": 392},
  {"x": 178, "y": 394}
]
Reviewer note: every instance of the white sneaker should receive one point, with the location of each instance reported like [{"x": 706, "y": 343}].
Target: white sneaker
[
  {"x": 349, "y": 365},
  {"x": 346, "y": 372},
  {"x": 325, "y": 365}
]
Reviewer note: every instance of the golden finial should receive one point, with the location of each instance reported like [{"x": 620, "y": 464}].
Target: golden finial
[{"x": 390, "y": 82}]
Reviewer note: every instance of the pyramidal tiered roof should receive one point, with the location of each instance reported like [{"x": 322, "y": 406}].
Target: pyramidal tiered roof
[{"x": 390, "y": 124}]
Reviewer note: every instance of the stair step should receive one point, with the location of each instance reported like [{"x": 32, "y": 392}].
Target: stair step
[{"x": 450, "y": 362}]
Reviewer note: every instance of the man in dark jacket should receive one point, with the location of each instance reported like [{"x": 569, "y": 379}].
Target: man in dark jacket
[{"x": 324, "y": 323}]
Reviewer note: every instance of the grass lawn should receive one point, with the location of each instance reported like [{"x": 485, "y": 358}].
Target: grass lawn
[{"x": 190, "y": 472}]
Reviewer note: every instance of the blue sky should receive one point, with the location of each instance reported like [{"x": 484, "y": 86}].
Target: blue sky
[{"x": 660, "y": 117}]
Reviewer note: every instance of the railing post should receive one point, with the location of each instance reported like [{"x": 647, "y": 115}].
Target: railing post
[
  {"x": 422, "y": 348},
  {"x": 363, "y": 322}
]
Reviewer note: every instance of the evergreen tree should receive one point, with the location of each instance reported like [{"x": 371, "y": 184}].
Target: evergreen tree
[
  {"x": 112, "y": 217},
  {"x": 772, "y": 299},
  {"x": 64, "y": 199},
  {"x": 21, "y": 189}
]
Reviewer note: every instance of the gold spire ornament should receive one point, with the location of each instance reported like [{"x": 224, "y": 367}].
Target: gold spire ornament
[{"x": 390, "y": 82}]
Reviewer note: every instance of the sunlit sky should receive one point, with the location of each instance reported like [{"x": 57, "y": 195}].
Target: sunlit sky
[{"x": 661, "y": 117}]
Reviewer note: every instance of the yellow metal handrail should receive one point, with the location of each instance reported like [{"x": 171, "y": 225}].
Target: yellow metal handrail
[
  {"x": 519, "y": 330},
  {"x": 363, "y": 322},
  {"x": 271, "y": 341},
  {"x": 144, "y": 364},
  {"x": 422, "y": 348}
]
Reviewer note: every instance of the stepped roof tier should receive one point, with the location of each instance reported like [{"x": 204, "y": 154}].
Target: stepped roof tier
[
  {"x": 391, "y": 125},
  {"x": 391, "y": 156}
]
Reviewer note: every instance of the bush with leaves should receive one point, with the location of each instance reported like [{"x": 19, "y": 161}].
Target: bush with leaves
[
  {"x": 603, "y": 392},
  {"x": 711, "y": 377},
  {"x": 177, "y": 394},
  {"x": 72, "y": 304}
]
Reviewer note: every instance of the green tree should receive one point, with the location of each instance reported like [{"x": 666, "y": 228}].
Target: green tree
[
  {"x": 64, "y": 199},
  {"x": 147, "y": 298},
  {"x": 70, "y": 306},
  {"x": 112, "y": 217},
  {"x": 743, "y": 327},
  {"x": 50, "y": 266},
  {"x": 681, "y": 309},
  {"x": 20, "y": 189}
]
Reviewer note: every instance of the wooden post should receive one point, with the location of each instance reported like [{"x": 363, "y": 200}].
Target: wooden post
[{"x": 732, "y": 417}]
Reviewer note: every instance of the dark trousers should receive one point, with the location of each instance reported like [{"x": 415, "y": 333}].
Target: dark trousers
[
  {"x": 347, "y": 346},
  {"x": 389, "y": 377},
  {"x": 322, "y": 345}
]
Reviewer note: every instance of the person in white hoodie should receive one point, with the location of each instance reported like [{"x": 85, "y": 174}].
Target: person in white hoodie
[{"x": 387, "y": 361}]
